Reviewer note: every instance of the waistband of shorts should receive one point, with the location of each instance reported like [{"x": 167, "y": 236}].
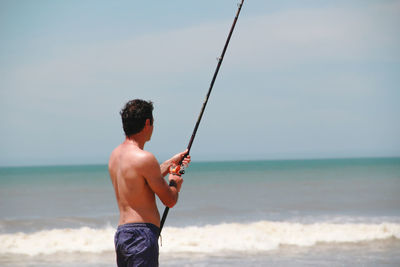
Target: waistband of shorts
[{"x": 151, "y": 226}]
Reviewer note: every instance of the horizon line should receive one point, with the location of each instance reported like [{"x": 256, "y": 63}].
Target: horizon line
[{"x": 212, "y": 161}]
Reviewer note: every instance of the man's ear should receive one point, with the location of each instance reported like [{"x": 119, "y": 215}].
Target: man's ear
[{"x": 147, "y": 122}]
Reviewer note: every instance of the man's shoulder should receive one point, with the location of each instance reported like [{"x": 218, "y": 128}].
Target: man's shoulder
[
  {"x": 144, "y": 156},
  {"x": 132, "y": 158},
  {"x": 114, "y": 156},
  {"x": 140, "y": 159}
]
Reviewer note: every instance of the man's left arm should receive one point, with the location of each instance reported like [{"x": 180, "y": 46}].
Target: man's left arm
[{"x": 164, "y": 167}]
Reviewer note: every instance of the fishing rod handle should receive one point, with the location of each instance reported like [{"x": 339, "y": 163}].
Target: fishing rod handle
[{"x": 166, "y": 210}]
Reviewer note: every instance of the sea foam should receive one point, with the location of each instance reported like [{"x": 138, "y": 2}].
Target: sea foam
[{"x": 210, "y": 239}]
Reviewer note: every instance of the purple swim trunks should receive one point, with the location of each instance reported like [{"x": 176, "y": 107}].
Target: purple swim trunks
[{"x": 136, "y": 244}]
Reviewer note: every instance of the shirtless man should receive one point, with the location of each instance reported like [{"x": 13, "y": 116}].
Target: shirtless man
[{"x": 137, "y": 176}]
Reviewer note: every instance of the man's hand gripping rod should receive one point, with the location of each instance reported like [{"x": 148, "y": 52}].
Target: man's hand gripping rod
[{"x": 165, "y": 214}]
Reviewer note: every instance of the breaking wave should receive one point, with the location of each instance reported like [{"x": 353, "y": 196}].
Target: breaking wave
[{"x": 210, "y": 239}]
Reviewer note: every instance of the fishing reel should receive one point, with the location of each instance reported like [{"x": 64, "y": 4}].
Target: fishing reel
[{"x": 177, "y": 170}]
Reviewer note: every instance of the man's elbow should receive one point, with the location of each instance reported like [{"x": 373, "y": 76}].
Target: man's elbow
[{"x": 171, "y": 202}]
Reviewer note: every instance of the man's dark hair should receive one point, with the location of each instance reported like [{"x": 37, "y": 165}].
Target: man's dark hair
[{"x": 134, "y": 115}]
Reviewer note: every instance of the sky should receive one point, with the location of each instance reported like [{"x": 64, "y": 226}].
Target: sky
[{"x": 300, "y": 79}]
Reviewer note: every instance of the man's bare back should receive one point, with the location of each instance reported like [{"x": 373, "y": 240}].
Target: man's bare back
[{"x": 137, "y": 176}]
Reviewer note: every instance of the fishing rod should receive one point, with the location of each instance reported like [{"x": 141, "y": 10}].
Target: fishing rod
[{"x": 165, "y": 214}]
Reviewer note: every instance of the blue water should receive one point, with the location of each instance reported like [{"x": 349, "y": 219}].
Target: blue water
[{"x": 221, "y": 194}]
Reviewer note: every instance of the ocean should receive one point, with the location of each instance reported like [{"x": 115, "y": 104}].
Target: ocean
[{"x": 333, "y": 212}]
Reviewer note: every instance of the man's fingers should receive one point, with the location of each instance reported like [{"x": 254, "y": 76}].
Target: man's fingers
[
  {"x": 186, "y": 160},
  {"x": 184, "y": 153}
]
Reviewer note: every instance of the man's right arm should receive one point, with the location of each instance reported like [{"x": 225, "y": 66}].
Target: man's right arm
[{"x": 150, "y": 169}]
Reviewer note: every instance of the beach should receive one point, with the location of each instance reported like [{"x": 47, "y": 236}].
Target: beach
[{"x": 333, "y": 212}]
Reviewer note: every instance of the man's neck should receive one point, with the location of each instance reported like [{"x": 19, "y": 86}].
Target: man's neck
[{"x": 136, "y": 141}]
